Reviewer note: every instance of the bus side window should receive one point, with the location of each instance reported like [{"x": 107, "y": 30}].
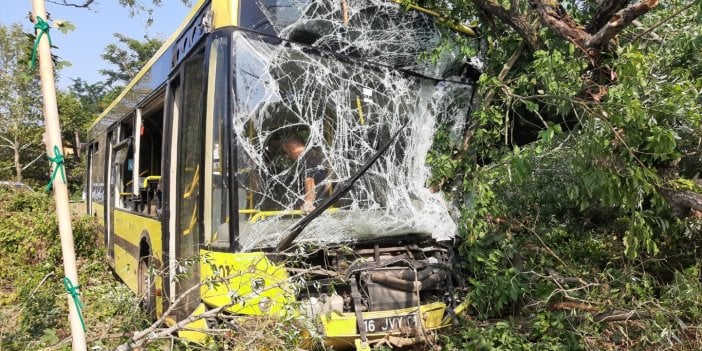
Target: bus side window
[{"x": 151, "y": 143}]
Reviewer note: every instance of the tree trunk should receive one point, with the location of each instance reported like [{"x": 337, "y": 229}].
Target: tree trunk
[
  {"x": 686, "y": 201},
  {"x": 77, "y": 146},
  {"x": 18, "y": 166}
]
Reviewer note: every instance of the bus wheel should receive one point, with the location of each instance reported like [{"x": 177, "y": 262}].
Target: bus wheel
[{"x": 146, "y": 288}]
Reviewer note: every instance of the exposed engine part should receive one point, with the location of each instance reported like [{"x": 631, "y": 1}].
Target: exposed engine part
[
  {"x": 383, "y": 298},
  {"x": 377, "y": 276},
  {"x": 416, "y": 285}
]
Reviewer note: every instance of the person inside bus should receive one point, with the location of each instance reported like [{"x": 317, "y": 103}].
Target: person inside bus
[{"x": 314, "y": 170}]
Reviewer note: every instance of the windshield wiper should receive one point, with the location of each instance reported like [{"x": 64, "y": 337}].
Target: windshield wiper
[{"x": 296, "y": 229}]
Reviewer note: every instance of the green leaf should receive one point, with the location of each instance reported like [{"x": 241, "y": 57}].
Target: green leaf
[{"x": 64, "y": 26}]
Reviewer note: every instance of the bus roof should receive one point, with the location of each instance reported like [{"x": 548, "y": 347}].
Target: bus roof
[{"x": 224, "y": 11}]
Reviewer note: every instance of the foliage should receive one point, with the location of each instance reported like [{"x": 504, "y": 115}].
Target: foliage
[
  {"x": 128, "y": 56},
  {"x": 20, "y": 117},
  {"x": 30, "y": 276},
  {"x": 91, "y": 96},
  {"x": 561, "y": 180}
]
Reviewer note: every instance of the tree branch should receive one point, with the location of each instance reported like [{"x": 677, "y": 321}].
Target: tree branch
[
  {"x": 83, "y": 4},
  {"x": 618, "y": 22},
  {"x": 31, "y": 163},
  {"x": 605, "y": 11},
  {"x": 556, "y": 18},
  {"x": 505, "y": 70},
  {"x": 514, "y": 19},
  {"x": 613, "y": 316}
]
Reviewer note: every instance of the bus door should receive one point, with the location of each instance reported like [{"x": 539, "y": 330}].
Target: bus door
[
  {"x": 109, "y": 196},
  {"x": 184, "y": 183}
]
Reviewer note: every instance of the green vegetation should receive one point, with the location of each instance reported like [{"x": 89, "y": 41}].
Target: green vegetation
[
  {"x": 576, "y": 180},
  {"x": 580, "y": 203},
  {"x": 31, "y": 292}
]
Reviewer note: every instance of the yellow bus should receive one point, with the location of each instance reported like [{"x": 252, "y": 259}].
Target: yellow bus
[{"x": 205, "y": 207}]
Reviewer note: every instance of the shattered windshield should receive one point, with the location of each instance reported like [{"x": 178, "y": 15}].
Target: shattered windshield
[
  {"x": 380, "y": 31},
  {"x": 341, "y": 109}
]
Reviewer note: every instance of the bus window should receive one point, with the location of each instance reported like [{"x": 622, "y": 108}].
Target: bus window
[
  {"x": 189, "y": 174},
  {"x": 124, "y": 165},
  {"x": 217, "y": 148},
  {"x": 150, "y": 143}
]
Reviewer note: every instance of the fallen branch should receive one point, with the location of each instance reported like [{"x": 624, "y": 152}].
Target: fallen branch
[
  {"x": 612, "y": 316},
  {"x": 153, "y": 332},
  {"x": 567, "y": 305},
  {"x": 567, "y": 280}
]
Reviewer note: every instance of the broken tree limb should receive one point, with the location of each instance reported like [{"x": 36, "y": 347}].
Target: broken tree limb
[
  {"x": 618, "y": 22},
  {"x": 505, "y": 70},
  {"x": 611, "y": 316},
  {"x": 683, "y": 195},
  {"x": 570, "y": 305},
  {"x": 605, "y": 11},
  {"x": 567, "y": 280}
]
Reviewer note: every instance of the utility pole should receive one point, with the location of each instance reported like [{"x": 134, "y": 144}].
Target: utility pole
[{"x": 54, "y": 148}]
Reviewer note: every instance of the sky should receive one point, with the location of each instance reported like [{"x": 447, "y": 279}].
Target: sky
[{"x": 94, "y": 30}]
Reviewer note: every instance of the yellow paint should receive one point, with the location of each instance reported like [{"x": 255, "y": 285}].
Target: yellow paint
[
  {"x": 170, "y": 321},
  {"x": 193, "y": 222},
  {"x": 226, "y": 13},
  {"x": 99, "y": 210},
  {"x": 339, "y": 324},
  {"x": 258, "y": 215},
  {"x": 158, "y": 283},
  {"x": 253, "y": 282},
  {"x": 362, "y": 346},
  {"x": 130, "y": 227},
  {"x": 126, "y": 267},
  {"x": 343, "y": 325},
  {"x": 196, "y": 331},
  {"x": 193, "y": 186}
]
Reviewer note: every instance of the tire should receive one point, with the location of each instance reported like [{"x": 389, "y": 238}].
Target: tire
[{"x": 146, "y": 288}]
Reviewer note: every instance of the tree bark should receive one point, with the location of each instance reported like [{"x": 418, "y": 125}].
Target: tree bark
[
  {"x": 604, "y": 12},
  {"x": 18, "y": 165},
  {"x": 77, "y": 146},
  {"x": 618, "y": 22},
  {"x": 683, "y": 201}
]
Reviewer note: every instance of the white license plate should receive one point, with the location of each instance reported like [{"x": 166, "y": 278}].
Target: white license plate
[{"x": 389, "y": 324}]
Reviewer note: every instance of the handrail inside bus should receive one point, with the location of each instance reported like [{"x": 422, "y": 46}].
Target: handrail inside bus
[
  {"x": 150, "y": 179},
  {"x": 190, "y": 189},
  {"x": 259, "y": 215},
  {"x": 193, "y": 222}
]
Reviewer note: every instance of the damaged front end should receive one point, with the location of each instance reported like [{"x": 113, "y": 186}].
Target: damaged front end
[{"x": 393, "y": 292}]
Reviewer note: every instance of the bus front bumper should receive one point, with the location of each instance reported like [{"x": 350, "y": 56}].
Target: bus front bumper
[{"x": 397, "y": 328}]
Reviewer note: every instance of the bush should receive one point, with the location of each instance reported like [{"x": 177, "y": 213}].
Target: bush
[{"x": 30, "y": 274}]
